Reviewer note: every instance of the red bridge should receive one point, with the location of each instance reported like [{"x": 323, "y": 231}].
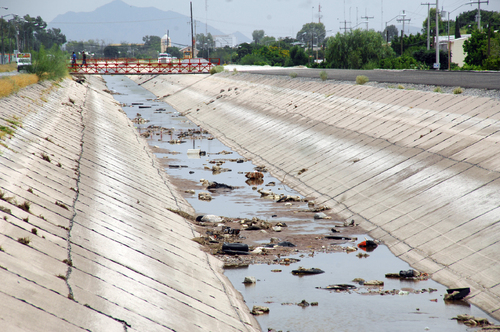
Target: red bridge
[{"x": 139, "y": 67}]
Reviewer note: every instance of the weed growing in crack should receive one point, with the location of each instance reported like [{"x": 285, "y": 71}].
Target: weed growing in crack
[
  {"x": 71, "y": 297},
  {"x": 68, "y": 262},
  {"x": 5, "y": 218},
  {"x": 5, "y": 210},
  {"x": 63, "y": 227},
  {"x": 34, "y": 231},
  {"x": 60, "y": 276},
  {"x": 62, "y": 205},
  {"x": 48, "y": 139},
  {"x": 24, "y": 240},
  {"x": 45, "y": 157},
  {"x": 27, "y": 219},
  {"x": 25, "y": 206},
  {"x": 59, "y": 165},
  {"x": 30, "y": 190}
]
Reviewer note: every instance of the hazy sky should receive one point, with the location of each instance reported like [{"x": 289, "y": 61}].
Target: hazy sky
[{"x": 277, "y": 18}]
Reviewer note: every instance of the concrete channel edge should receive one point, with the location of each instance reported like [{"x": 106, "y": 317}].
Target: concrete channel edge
[{"x": 417, "y": 170}]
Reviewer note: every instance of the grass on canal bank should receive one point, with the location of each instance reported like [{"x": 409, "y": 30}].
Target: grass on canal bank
[
  {"x": 12, "y": 84},
  {"x": 8, "y": 67}
]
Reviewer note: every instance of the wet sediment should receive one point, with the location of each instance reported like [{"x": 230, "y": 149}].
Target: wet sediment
[{"x": 415, "y": 169}]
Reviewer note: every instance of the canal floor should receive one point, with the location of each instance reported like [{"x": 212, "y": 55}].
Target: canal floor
[{"x": 410, "y": 309}]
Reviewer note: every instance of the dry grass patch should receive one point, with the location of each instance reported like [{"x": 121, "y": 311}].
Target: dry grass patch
[
  {"x": 8, "y": 67},
  {"x": 12, "y": 84}
]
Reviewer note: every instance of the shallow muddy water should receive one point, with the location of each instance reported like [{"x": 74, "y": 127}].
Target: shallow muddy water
[{"x": 356, "y": 310}]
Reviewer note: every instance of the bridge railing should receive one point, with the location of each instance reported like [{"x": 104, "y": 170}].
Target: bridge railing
[{"x": 137, "y": 67}]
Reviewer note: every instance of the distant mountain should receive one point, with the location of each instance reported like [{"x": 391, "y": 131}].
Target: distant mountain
[
  {"x": 118, "y": 22},
  {"x": 241, "y": 38}
]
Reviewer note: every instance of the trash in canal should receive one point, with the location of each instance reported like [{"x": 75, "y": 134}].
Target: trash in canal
[
  {"x": 338, "y": 287},
  {"x": 235, "y": 248},
  {"x": 304, "y": 271},
  {"x": 456, "y": 293},
  {"x": 368, "y": 245}
]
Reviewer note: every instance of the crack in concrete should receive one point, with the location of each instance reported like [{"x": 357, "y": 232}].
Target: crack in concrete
[
  {"x": 33, "y": 305},
  {"x": 72, "y": 220}
]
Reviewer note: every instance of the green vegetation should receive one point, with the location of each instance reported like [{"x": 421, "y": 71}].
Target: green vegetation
[
  {"x": 356, "y": 50},
  {"x": 438, "y": 89},
  {"x": 457, "y": 91},
  {"x": 293, "y": 74},
  {"x": 49, "y": 65},
  {"x": 361, "y": 79},
  {"x": 323, "y": 75},
  {"x": 216, "y": 69}
]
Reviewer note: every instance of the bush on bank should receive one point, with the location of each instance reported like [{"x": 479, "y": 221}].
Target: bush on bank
[{"x": 48, "y": 65}]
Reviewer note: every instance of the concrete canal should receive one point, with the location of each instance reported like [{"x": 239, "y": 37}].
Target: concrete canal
[{"x": 398, "y": 305}]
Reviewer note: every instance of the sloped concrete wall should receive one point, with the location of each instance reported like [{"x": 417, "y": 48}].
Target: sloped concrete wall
[
  {"x": 104, "y": 253},
  {"x": 419, "y": 171}
]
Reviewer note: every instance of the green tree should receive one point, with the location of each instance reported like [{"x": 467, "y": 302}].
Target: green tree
[
  {"x": 175, "y": 51},
  {"x": 243, "y": 49},
  {"x": 257, "y": 35},
  {"x": 267, "y": 40},
  {"x": 476, "y": 48},
  {"x": 442, "y": 25},
  {"x": 111, "y": 52},
  {"x": 204, "y": 44},
  {"x": 390, "y": 32},
  {"x": 152, "y": 43},
  {"x": 297, "y": 56},
  {"x": 468, "y": 19},
  {"x": 312, "y": 33},
  {"x": 356, "y": 49}
]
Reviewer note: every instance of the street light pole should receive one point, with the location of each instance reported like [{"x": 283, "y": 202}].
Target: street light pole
[{"x": 437, "y": 35}]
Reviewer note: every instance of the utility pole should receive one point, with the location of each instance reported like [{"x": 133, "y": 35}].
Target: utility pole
[
  {"x": 367, "y": 18},
  {"x": 403, "y": 31},
  {"x": 428, "y": 23},
  {"x": 478, "y": 16},
  {"x": 345, "y": 26},
  {"x": 436, "y": 65},
  {"x": 192, "y": 35}
]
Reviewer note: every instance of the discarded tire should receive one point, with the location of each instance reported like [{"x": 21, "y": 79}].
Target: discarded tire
[{"x": 240, "y": 247}]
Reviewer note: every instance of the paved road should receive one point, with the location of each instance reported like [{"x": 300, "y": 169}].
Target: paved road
[{"x": 465, "y": 79}]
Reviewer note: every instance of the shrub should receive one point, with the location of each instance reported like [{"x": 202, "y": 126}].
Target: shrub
[
  {"x": 361, "y": 79},
  {"x": 253, "y": 59},
  {"x": 216, "y": 69},
  {"x": 293, "y": 74},
  {"x": 49, "y": 65},
  {"x": 401, "y": 87},
  {"x": 457, "y": 91},
  {"x": 323, "y": 75},
  {"x": 438, "y": 89}
]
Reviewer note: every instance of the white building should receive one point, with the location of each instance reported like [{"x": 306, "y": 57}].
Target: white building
[
  {"x": 225, "y": 40},
  {"x": 165, "y": 43},
  {"x": 456, "y": 47}
]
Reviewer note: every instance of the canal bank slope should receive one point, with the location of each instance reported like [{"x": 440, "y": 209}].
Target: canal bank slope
[
  {"x": 86, "y": 236},
  {"x": 418, "y": 170}
]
